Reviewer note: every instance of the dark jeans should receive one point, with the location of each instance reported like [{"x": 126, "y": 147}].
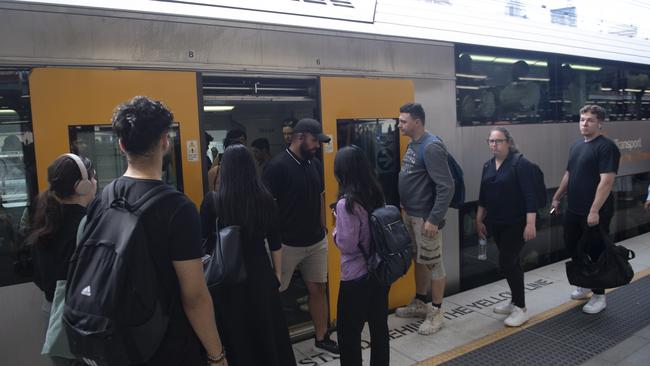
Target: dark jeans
[
  {"x": 574, "y": 227},
  {"x": 363, "y": 300},
  {"x": 510, "y": 241}
]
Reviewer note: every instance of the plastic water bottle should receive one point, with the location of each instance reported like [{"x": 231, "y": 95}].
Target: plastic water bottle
[{"x": 482, "y": 249}]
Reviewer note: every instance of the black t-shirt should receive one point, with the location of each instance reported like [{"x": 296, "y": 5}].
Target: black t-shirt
[
  {"x": 506, "y": 194},
  {"x": 173, "y": 230},
  {"x": 51, "y": 257},
  {"x": 297, "y": 186},
  {"x": 587, "y": 160}
]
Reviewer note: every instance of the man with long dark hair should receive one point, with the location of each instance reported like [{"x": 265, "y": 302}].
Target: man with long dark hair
[{"x": 294, "y": 177}]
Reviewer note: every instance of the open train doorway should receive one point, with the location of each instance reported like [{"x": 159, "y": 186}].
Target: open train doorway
[{"x": 257, "y": 109}]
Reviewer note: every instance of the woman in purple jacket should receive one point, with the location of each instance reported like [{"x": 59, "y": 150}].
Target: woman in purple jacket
[{"x": 361, "y": 298}]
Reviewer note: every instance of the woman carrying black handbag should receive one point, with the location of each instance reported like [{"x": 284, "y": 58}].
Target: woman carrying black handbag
[{"x": 249, "y": 313}]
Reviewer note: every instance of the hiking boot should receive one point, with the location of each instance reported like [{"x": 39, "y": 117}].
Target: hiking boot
[
  {"x": 504, "y": 309},
  {"x": 416, "y": 309},
  {"x": 595, "y": 305},
  {"x": 433, "y": 321},
  {"x": 580, "y": 293},
  {"x": 326, "y": 345},
  {"x": 518, "y": 317}
]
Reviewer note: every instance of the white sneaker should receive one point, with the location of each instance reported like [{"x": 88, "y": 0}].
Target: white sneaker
[
  {"x": 433, "y": 321},
  {"x": 595, "y": 305},
  {"x": 518, "y": 317},
  {"x": 416, "y": 309},
  {"x": 580, "y": 293},
  {"x": 504, "y": 309}
]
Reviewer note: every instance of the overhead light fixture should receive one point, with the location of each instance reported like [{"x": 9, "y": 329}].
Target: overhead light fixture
[
  {"x": 507, "y": 60},
  {"x": 583, "y": 67},
  {"x": 7, "y": 111},
  {"x": 471, "y": 76},
  {"x": 526, "y": 78},
  {"x": 633, "y": 90},
  {"x": 467, "y": 87},
  {"x": 218, "y": 108},
  {"x": 605, "y": 89}
]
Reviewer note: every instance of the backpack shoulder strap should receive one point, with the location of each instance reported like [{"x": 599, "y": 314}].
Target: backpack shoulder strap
[
  {"x": 151, "y": 197},
  {"x": 425, "y": 142},
  {"x": 80, "y": 228}
]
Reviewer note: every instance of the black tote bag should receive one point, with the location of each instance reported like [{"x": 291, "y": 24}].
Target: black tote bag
[
  {"x": 611, "y": 269},
  {"x": 226, "y": 264}
]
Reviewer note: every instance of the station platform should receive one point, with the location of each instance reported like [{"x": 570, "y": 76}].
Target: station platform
[{"x": 559, "y": 333}]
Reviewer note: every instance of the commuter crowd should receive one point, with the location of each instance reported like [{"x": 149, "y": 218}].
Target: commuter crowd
[{"x": 164, "y": 308}]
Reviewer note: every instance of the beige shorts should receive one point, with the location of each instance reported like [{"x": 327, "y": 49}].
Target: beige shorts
[
  {"x": 426, "y": 250},
  {"x": 311, "y": 261}
]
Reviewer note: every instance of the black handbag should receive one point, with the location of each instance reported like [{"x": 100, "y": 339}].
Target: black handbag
[
  {"x": 226, "y": 263},
  {"x": 611, "y": 269}
]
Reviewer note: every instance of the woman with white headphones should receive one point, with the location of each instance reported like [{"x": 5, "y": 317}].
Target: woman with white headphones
[{"x": 59, "y": 209}]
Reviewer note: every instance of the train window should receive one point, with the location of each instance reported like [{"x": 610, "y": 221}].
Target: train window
[
  {"x": 18, "y": 187},
  {"x": 493, "y": 87},
  {"x": 99, "y": 144},
  {"x": 379, "y": 139},
  {"x": 588, "y": 82}
]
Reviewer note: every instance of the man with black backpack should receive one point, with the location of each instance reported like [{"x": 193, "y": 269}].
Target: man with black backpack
[
  {"x": 426, "y": 188},
  {"x": 136, "y": 291}
]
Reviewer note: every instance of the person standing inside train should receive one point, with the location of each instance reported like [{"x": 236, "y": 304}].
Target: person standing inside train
[
  {"x": 426, "y": 188},
  {"x": 295, "y": 180},
  {"x": 507, "y": 205},
  {"x": 588, "y": 180},
  {"x": 249, "y": 314},
  {"x": 361, "y": 297},
  {"x": 59, "y": 209}
]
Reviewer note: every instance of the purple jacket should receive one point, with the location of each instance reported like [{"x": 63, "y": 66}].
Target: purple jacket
[{"x": 350, "y": 230}]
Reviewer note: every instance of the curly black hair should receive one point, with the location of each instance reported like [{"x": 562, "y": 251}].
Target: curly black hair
[{"x": 140, "y": 122}]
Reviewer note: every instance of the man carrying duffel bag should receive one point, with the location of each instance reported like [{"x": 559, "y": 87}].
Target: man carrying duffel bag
[{"x": 588, "y": 180}]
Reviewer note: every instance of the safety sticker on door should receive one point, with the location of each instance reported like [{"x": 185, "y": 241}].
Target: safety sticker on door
[{"x": 192, "y": 150}]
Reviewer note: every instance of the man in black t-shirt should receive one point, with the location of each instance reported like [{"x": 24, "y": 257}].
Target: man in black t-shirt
[
  {"x": 588, "y": 180},
  {"x": 173, "y": 231},
  {"x": 294, "y": 177}
]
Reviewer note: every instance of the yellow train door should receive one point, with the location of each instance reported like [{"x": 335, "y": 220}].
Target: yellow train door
[{"x": 363, "y": 111}]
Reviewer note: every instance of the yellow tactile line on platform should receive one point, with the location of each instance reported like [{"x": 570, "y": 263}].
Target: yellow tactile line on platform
[{"x": 491, "y": 338}]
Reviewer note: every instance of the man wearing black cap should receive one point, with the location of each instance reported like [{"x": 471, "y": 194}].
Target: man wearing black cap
[{"x": 294, "y": 177}]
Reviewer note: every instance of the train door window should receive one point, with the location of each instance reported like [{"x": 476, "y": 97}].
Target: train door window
[
  {"x": 379, "y": 139},
  {"x": 256, "y": 106},
  {"x": 99, "y": 144},
  {"x": 18, "y": 184}
]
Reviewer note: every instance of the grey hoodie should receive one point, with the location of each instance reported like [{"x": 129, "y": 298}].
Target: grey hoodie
[{"x": 426, "y": 186}]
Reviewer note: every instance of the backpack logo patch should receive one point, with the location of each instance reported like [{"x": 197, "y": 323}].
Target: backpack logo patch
[{"x": 86, "y": 291}]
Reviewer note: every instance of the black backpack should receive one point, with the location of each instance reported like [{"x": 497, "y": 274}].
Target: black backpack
[
  {"x": 114, "y": 312},
  {"x": 458, "y": 199},
  {"x": 538, "y": 179},
  {"x": 390, "y": 245}
]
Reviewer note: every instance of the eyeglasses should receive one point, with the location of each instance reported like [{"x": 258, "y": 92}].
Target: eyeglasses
[{"x": 495, "y": 141}]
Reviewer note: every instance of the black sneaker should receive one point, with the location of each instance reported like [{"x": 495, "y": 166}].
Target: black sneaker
[{"x": 327, "y": 345}]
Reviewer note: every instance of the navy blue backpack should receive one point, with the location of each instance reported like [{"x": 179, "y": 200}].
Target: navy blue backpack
[{"x": 458, "y": 199}]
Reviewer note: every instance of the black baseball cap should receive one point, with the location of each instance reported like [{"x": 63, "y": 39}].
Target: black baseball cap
[{"x": 310, "y": 125}]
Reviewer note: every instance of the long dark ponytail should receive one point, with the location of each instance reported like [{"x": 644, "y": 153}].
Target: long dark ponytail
[{"x": 62, "y": 175}]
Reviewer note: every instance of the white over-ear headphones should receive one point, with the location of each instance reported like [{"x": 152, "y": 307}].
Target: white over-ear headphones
[{"x": 84, "y": 185}]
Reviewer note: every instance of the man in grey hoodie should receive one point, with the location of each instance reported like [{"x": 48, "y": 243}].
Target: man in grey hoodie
[{"x": 426, "y": 187}]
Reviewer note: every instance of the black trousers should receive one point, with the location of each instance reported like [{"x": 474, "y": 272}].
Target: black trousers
[
  {"x": 574, "y": 228},
  {"x": 363, "y": 300},
  {"x": 510, "y": 241}
]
